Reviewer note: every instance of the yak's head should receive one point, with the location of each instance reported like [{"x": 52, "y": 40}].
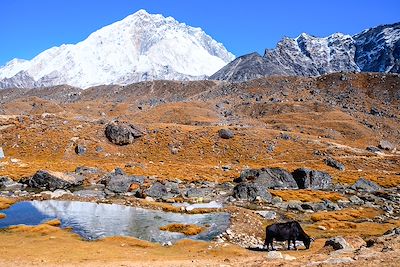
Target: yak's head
[{"x": 307, "y": 241}]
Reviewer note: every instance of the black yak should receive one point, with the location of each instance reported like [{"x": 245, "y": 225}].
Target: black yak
[{"x": 290, "y": 231}]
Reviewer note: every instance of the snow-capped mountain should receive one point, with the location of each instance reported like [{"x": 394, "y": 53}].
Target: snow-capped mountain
[
  {"x": 140, "y": 47},
  {"x": 374, "y": 50}
]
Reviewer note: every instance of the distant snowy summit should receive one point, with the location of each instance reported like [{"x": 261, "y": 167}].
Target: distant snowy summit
[
  {"x": 140, "y": 47},
  {"x": 374, "y": 50}
]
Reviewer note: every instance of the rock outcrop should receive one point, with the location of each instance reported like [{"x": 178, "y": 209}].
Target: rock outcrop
[
  {"x": 311, "y": 179},
  {"x": 268, "y": 178},
  {"x": 54, "y": 180},
  {"x": 121, "y": 133}
]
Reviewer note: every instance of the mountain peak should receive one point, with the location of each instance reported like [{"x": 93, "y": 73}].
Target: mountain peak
[
  {"x": 373, "y": 50},
  {"x": 140, "y": 47}
]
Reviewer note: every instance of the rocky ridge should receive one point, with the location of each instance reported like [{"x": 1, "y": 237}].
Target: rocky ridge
[{"x": 373, "y": 50}]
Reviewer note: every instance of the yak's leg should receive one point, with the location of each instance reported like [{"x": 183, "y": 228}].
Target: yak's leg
[
  {"x": 288, "y": 244},
  {"x": 294, "y": 244},
  {"x": 272, "y": 244}
]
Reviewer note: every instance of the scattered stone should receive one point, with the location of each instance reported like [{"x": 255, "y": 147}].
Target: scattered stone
[
  {"x": 98, "y": 194},
  {"x": 311, "y": 179},
  {"x": 8, "y": 184},
  {"x": 356, "y": 200},
  {"x": 157, "y": 191},
  {"x": 1, "y": 153},
  {"x": 250, "y": 192},
  {"x": 365, "y": 185},
  {"x": 373, "y": 149},
  {"x": 274, "y": 255},
  {"x": 80, "y": 150},
  {"x": 267, "y": 214},
  {"x": 337, "y": 243},
  {"x": 334, "y": 164},
  {"x": 197, "y": 192},
  {"x": 322, "y": 228},
  {"x": 386, "y": 145},
  {"x": 226, "y": 134},
  {"x": 121, "y": 133},
  {"x": 268, "y": 177},
  {"x": 118, "y": 182},
  {"x": 54, "y": 180}
]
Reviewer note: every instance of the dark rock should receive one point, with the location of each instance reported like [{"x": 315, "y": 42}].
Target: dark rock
[
  {"x": 365, "y": 185},
  {"x": 285, "y": 136},
  {"x": 172, "y": 188},
  {"x": 54, "y": 180},
  {"x": 373, "y": 149},
  {"x": 118, "y": 182},
  {"x": 120, "y": 133},
  {"x": 99, "y": 149},
  {"x": 393, "y": 232},
  {"x": 311, "y": 179},
  {"x": 329, "y": 205},
  {"x": 386, "y": 145},
  {"x": 250, "y": 192},
  {"x": 119, "y": 171},
  {"x": 80, "y": 150},
  {"x": 157, "y": 191},
  {"x": 269, "y": 178},
  {"x": 334, "y": 164},
  {"x": 5, "y": 181},
  {"x": 197, "y": 192},
  {"x": 226, "y": 134},
  {"x": 337, "y": 243}
]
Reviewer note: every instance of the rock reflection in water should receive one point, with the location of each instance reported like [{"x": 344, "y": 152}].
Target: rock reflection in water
[{"x": 93, "y": 221}]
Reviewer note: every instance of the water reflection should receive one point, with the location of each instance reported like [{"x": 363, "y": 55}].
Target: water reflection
[{"x": 93, "y": 221}]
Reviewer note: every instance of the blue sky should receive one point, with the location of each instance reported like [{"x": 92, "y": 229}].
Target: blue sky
[{"x": 28, "y": 27}]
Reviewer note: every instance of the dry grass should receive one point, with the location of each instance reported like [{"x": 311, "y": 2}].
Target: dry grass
[
  {"x": 55, "y": 222},
  {"x": 2, "y": 216},
  {"x": 350, "y": 215},
  {"x": 186, "y": 229},
  {"x": 307, "y": 195},
  {"x": 5, "y": 203},
  {"x": 345, "y": 228}
]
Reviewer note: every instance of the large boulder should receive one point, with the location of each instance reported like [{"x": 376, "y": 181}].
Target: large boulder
[
  {"x": 386, "y": 145},
  {"x": 251, "y": 191},
  {"x": 268, "y": 177},
  {"x": 121, "y": 133},
  {"x": 337, "y": 243},
  {"x": 157, "y": 191},
  {"x": 365, "y": 185},
  {"x": 335, "y": 164},
  {"x": 8, "y": 184},
  {"x": 226, "y": 134},
  {"x": 311, "y": 179},
  {"x": 120, "y": 183},
  {"x": 54, "y": 180}
]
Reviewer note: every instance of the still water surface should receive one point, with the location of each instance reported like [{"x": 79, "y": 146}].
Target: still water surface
[{"x": 93, "y": 221}]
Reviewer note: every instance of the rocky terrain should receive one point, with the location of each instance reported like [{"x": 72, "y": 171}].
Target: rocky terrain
[
  {"x": 373, "y": 50},
  {"x": 319, "y": 150}
]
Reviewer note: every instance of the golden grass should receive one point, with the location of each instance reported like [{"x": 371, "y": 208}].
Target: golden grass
[
  {"x": 55, "y": 222},
  {"x": 345, "y": 228},
  {"x": 2, "y": 216},
  {"x": 307, "y": 195},
  {"x": 346, "y": 215},
  {"x": 186, "y": 229},
  {"x": 5, "y": 203}
]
